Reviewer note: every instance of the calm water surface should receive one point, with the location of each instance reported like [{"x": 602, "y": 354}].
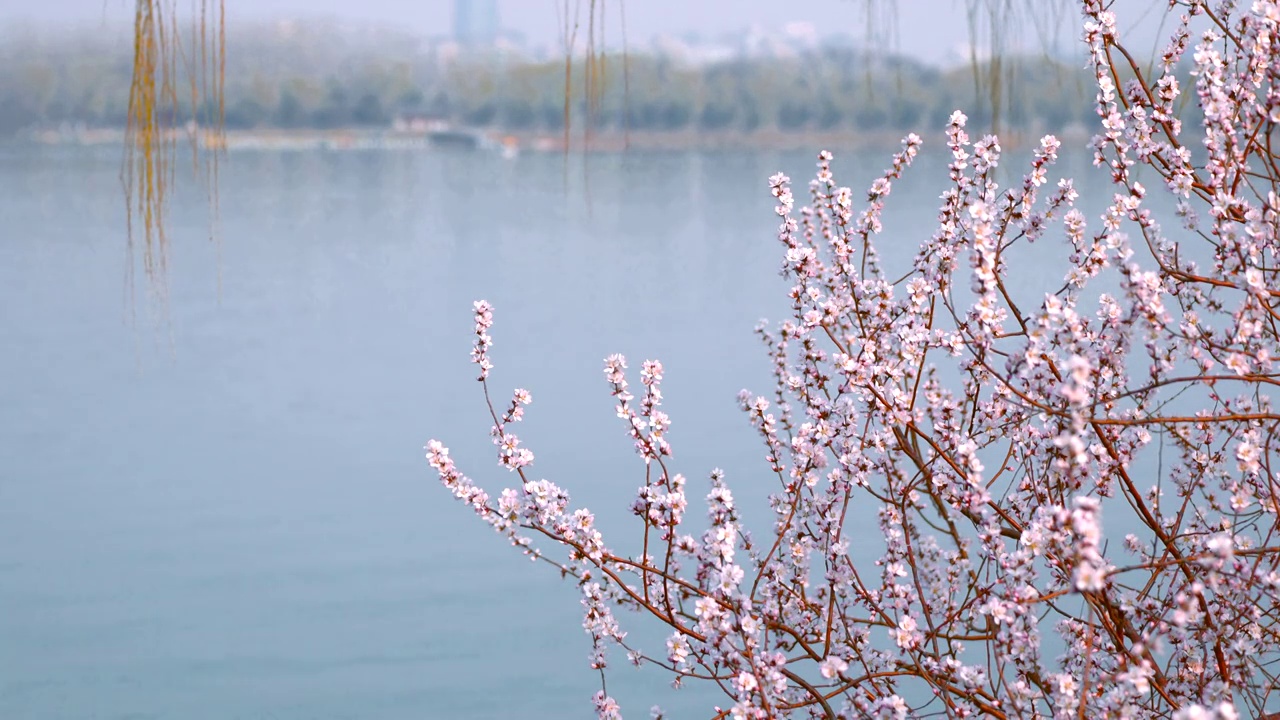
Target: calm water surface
[{"x": 231, "y": 517}]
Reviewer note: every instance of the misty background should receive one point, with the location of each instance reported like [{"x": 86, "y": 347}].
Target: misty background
[
  {"x": 719, "y": 73},
  {"x": 932, "y": 31}
]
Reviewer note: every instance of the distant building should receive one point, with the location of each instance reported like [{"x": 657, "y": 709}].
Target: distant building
[
  {"x": 475, "y": 22},
  {"x": 419, "y": 123}
]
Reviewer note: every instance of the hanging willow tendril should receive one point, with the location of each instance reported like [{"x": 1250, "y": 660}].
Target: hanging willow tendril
[
  {"x": 164, "y": 60},
  {"x": 572, "y": 14}
]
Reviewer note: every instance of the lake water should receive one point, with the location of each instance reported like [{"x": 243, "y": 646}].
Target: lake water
[{"x": 228, "y": 515}]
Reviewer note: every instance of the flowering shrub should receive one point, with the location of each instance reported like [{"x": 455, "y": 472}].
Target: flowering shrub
[{"x": 1001, "y": 441}]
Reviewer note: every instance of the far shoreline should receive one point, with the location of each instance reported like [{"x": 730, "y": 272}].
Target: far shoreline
[{"x": 514, "y": 142}]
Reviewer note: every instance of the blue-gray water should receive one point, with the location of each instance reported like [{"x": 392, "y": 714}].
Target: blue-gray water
[{"x": 229, "y": 515}]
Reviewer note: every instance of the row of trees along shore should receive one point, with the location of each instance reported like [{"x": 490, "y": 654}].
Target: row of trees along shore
[{"x": 318, "y": 75}]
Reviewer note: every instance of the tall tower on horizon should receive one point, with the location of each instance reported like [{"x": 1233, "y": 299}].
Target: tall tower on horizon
[{"x": 475, "y": 22}]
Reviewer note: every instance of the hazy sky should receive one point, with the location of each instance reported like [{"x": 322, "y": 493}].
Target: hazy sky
[{"x": 929, "y": 29}]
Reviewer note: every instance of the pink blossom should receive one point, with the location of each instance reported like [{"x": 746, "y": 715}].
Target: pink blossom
[{"x": 832, "y": 666}]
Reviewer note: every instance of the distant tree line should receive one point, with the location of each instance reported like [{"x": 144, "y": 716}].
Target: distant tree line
[{"x": 312, "y": 75}]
